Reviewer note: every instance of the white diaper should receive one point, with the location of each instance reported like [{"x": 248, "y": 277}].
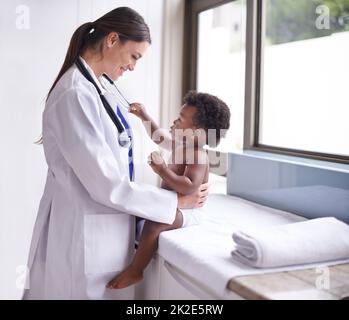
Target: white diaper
[{"x": 191, "y": 217}]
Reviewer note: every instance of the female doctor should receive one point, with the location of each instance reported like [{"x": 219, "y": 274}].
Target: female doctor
[{"x": 85, "y": 229}]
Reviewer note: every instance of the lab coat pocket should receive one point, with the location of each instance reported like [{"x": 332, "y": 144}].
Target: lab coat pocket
[{"x": 107, "y": 239}]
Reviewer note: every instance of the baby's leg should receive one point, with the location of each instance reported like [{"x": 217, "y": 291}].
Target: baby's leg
[{"x": 147, "y": 246}]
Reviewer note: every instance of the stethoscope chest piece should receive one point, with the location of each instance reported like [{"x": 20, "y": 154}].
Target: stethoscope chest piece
[{"x": 124, "y": 140}]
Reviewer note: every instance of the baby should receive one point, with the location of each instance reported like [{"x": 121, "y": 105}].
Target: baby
[{"x": 188, "y": 167}]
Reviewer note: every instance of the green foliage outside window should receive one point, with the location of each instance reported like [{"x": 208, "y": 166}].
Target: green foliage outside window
[{"x": 294, "y": 20}]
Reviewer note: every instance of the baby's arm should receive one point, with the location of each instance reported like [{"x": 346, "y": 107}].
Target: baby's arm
[
  {"x": 159, "y": 136},
  {"x": 189, "y": 182}
]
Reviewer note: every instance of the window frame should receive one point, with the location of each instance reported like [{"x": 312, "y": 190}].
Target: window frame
[
  {"x": 192, "y": 10},
  {"x": 255, "y": 25},
  {"x": 259, "y": 25}
]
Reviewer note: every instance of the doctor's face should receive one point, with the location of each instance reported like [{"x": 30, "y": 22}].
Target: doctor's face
[{"x": 120, "y": 57}]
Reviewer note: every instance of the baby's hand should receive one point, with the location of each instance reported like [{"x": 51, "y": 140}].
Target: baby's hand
[
  {"x": 138, "y": 110},
  {"x": 157, "y": 162}
]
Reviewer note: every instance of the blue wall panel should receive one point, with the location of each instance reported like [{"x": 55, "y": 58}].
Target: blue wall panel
[{"x": 305, "y": 187}]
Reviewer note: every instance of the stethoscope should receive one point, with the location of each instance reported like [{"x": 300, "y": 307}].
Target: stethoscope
[{"x": 123, "y": 139}]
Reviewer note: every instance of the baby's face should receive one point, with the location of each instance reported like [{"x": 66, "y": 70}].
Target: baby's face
[{"x": 183, "y": 125}]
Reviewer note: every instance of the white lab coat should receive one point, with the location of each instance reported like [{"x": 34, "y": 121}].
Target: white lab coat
[{"x": 85, "y": 229}]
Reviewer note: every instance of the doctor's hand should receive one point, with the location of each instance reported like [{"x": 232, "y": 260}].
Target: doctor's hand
[
  {"x": 138, "y": 110},
  {"x": 194, "y": 200},
  {"x": 157, "y": 162}
]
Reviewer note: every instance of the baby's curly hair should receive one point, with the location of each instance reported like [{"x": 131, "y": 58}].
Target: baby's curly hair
[{"x": 212, "y": 113}]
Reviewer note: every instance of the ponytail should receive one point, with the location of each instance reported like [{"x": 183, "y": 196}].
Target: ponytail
[
  {"x": 129, "y": 24},
  {"x": 125, "y": 21},
  {"x": 75, "y": 47}
]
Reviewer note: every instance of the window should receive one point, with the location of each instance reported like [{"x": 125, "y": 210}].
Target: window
[
  {"x": 281, "y": 66},
  {"x": 217, "y": 58},
  {"x": 303, "y": 101}
]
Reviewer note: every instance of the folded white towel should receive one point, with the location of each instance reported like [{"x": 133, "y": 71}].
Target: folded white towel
[{"x": 312, "y": 241}]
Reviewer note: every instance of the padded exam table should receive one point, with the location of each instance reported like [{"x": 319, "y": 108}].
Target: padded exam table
[{"x": 198, "y": 259}]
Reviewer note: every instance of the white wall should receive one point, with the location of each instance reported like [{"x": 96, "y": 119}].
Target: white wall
[{"x": 29, "y": 61}]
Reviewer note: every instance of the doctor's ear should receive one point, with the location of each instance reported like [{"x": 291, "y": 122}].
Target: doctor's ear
[{"x": 112, "y": 39}]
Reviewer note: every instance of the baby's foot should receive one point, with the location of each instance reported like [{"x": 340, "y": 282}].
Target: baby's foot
[{"x": 125, "y": 279}]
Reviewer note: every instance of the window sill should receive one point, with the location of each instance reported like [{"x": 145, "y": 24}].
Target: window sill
[{"x": 326, "y": 165}]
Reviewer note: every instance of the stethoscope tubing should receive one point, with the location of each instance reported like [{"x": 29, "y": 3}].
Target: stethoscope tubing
[{"x": 124, "y": 139}]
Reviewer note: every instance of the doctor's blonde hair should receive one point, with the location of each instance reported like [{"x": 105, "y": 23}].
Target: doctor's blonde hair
[{"x": 128, "y": 23}]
